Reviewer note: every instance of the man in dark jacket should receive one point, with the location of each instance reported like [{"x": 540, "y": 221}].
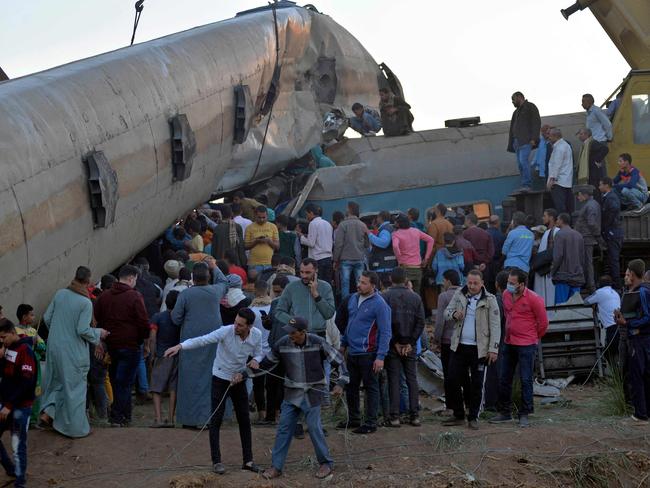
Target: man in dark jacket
[
  {"x": 122, "y": 313},
  {"x": 480, "y": 239},
  {"x": 396, "y": 116},
  {"x": 611, "y": 229},
  {"x": 567, "y": 270},
  {"x": 407, "y": 324},
  {"x": 524, "y": 135},
  {"x": 274, "y": 390},
  {"x": 17, "y": 384},
  {"x": 228, "y": 236},
  {"x": 588, "y": 224},
  {"x": 638, "y": 332}
]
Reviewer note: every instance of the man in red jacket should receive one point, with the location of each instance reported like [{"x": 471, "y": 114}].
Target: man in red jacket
[
  {"x": 526, "y": 324},
  {"x": 17, "y": 384},
  {"x": 121, "y": 312}
]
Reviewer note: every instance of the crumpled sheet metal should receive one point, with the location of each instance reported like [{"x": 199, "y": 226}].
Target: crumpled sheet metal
[
  {"x": 120, "y": 103},
  {"x": 369, "y": 165}
]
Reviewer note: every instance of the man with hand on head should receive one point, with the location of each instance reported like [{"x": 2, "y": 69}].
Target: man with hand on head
[{"x": 237, "y": 343}]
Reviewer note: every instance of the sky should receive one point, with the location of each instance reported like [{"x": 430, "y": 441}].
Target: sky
[{"x": 454, "y": 58}]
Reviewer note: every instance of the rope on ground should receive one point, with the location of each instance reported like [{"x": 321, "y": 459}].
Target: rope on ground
[
  {"x": 599, "y": 359},
  {"x": 176, "y": 453}
]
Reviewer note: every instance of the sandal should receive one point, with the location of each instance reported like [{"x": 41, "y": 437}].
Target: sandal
[{"x": 324, "y": 471}]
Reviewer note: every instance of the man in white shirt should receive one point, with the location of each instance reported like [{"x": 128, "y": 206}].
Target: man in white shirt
[
  {"x": 560, "y": 172},
  {"x": 608, "y": 301},
  {"x": 319, "y": 241},
  {"x": 597, "y": 121},
  {"x": 237, "y": 343},
  {"x": 238, "y": 218}
]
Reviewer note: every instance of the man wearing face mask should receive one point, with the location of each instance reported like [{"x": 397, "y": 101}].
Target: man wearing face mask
[{"x": 526, "y": 324}]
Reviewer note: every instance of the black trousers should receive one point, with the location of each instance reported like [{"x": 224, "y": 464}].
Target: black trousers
[
  {"x": 466, "y": 368},
  {"x": 394, "y": 364},
  {"x": 239, "y": 397},
  {"x": 640, "y": 375},
  {"x": 445, "y": 355},
  {"x": 562, "y": 199},
  {"x": 274, "y": 392},
  {"x": 325, "y": 270},
  {"x": 360, "y": 369},
  {"x": 614, "y": 241},
  {"x": 259, "y": 392}
]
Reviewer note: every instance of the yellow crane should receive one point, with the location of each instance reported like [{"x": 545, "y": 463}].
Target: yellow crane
[{"x": 627, "y": 23}]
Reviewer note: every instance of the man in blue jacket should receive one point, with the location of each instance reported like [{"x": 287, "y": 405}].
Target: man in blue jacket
[{"x": 366, "y": 341}]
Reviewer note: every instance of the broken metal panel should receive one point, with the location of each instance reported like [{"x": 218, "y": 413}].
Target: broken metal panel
[
  {"x": 183, "y": 147},
  {"x": 243, "y": 109},
  {"x": 430, "y": 374},
  {"x": 572, "y": 344},
  {"x": 103, "y": 188},
  {"x": 325, "y": 80}
]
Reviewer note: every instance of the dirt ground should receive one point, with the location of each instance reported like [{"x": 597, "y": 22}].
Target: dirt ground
[{"x": 570, "y": 444}]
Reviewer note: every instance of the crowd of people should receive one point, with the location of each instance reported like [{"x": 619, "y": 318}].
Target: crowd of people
[{"x": 283, "y": 310}]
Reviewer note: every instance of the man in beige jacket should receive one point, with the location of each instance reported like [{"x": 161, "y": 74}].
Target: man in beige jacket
[{"x": 474, "y": 344}]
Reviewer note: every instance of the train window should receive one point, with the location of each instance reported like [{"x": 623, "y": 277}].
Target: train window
[{"x": 641, "y": 119}]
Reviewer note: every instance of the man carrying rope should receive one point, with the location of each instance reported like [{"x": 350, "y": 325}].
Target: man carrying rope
[
  {"x": 302, "y": 355},
  {"x": 237, "y": 343}
]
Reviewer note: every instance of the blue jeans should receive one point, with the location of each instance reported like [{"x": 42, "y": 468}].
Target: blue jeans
[
  {"x": 143, "y": 383},
  {"x": 289, "y": 415},
  {"x": 523, "y": 156},
  {"x": 347, "y": 268},
  {"x": 563, "y": 292},
  {"x": 633, "y": 197},
  {"x": 124, "y": 366},
  {"x": 17, "y": 423},
  {"x": 525, "y": 357},
  {"x": 258, "y": 268}
]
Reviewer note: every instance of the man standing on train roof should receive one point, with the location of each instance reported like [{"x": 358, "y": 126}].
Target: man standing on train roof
[{"x": 524, "y": 135}]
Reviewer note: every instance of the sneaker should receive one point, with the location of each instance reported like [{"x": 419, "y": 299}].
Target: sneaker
[
  {"x": 415, "y": 421},
  {"x": 344, "y": 424},
  {"x": 251, "y": 466},
  {"x": 523, "y": 421},
  {"x": 395, "y": 423},
  {"x": 638, "y": 419},
  {"x": 299, "y": 433},
  {"x": 365, "y": 429},
  {"x": 501, "y": 418},
  {"x": 218, "y": 468},
  {"x": 472, "y": 424}
]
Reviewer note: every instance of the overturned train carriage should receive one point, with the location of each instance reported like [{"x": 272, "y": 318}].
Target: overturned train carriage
[{"x": 99, "y": 156}]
